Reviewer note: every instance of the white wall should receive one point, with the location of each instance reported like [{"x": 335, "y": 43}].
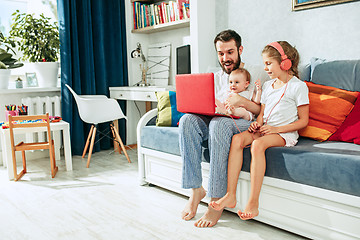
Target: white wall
[
  {"x": 330, "y": 32},
  {"x": 202, "y": 33}
]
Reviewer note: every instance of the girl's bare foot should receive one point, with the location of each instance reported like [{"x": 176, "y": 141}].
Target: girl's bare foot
[
  {"x": 191, "y": 207},
  {"x": 229, "y": 200},
  {"x": 251, "y": 211},
  {"x": 209, "y": 219}
]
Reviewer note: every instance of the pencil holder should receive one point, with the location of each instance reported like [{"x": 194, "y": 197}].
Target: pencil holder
[
  {"x": 22, "y": 113},
  {"x": 12, "y": 113}
]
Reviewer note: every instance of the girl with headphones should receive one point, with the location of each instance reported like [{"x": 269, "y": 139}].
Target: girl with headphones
[{"x": 284, "y": 110}]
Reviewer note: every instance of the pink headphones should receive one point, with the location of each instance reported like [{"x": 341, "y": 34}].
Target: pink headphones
[{"x": 285, "y": 62}]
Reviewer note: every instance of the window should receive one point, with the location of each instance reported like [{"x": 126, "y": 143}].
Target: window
[{"x": 8, "y": 7}]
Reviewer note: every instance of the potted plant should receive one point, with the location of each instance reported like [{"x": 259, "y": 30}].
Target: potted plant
[
  {"x": 38, "y": 39},
  {"x": 7, "y": 62}
]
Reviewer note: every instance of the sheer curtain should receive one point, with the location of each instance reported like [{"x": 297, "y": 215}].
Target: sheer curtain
[{"x": 93, "y": 58}]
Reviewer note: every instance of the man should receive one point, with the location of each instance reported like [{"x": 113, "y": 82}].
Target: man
[{"x": 194, "y": 129}]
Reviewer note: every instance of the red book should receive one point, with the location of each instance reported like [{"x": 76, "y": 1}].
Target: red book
[
  {"x": 163, "y": 12},
  {"x": 147, "y": 15},
  {"x": 134, "y": 15},
  {"x": 180, "y": 4},
  {"x": 161, "y": 18}
]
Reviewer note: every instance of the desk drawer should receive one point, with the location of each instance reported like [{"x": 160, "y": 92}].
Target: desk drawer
[{"x": 135, "y": 96}]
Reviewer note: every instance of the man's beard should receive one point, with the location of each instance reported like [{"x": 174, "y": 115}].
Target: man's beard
[{"x": 236, "y": 65}]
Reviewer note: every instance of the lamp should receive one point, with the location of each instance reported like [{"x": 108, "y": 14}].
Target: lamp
[{"x": 136, "y": 54}]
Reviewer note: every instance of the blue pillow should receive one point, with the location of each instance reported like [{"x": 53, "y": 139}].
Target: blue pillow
[
  {"x": 344, "y": 74},
  {"x": 168, "y": 114}
]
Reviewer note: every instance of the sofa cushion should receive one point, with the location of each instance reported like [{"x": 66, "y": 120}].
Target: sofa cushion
[
  {"x": 329, "y": 107},
  {"x": 163, "y": 139},
  {"x": 344, "y": 74},
  {"x": 329, "y": 165},
  {"x": 349, "y": 130},
  {"x": 168, "y": 114}
]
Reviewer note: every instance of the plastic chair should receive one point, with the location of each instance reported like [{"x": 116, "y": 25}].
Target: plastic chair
[
  {"x": 95, "y": 109},
  {"x": 31, "y": 146}
]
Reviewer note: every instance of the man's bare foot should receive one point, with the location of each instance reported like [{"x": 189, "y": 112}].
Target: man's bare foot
[
  {"x": 193, "y": 203},
  {"x": 209, "y": 219},
  {"x": 229, "y": 200},
  {"x": 251, "y": 211}
]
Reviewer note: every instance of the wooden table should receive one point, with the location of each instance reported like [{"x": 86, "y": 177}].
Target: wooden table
[{"x": 55, "y": 128}]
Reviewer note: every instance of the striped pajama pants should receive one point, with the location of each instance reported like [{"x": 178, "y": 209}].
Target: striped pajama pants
[{"x": 193, "y": 130}]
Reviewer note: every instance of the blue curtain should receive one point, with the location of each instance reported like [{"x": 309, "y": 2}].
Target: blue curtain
[{"x": 93, "y": 58}]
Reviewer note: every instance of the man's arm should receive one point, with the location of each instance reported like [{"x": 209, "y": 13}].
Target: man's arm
[{"x": 239, "y": 101}]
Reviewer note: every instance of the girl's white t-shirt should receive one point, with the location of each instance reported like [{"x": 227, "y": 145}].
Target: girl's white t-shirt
[{"x": 285, "y": 112}]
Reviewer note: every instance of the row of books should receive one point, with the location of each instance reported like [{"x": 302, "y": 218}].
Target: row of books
[{"x": 158, "y": 13}]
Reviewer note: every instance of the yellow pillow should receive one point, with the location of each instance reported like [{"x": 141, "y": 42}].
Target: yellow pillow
[{"x": 167, "y": 111}]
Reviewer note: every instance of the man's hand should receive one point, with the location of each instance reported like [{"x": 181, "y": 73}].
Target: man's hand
[{"x": 236, "y": 100}]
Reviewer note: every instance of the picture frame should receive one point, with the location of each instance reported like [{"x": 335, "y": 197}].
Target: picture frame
[
  {"x": 298, "y": 5},
  {"x": 31, "y": 80}
]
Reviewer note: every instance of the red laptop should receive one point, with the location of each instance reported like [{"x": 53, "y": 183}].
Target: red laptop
[{"x": 195, "y": 93}]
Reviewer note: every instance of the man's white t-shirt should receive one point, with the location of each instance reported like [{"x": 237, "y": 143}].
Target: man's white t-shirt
[{"x": 221, "y": 80}]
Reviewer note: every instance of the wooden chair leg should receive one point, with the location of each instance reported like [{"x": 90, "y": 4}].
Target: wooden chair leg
[
  {"x": 24, "y": 160},
  {"x": 91, "y": 146},
  {"x": 121, "y": 144},
  {"x": 116, "y": 144},
  {"x": 54, "y": 168},
  {"x": 23, "y": 171},
  {"x": 87, "y": 141}
]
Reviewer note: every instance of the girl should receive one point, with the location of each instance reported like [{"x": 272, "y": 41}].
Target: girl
[{"x": 284, "y": 110}]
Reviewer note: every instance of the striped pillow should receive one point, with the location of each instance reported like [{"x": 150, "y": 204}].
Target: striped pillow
[
  {"x": 329, "y": 107},
  {"x": 168, "y": 114}
]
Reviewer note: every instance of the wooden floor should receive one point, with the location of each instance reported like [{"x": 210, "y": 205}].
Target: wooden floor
[{"x": 105, "y": 201}]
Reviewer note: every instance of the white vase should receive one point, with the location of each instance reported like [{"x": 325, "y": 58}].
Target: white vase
[
  {"x": 4, "y": 78},
  {"x": 46, "y": 73}
]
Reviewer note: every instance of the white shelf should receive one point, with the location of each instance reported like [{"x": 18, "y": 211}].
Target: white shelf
[
  {"x": 29, "y": 90},
  {"x": 163, "y": 27}
]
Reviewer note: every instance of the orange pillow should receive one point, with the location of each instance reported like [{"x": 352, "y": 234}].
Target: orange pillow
[{"x": 329, "y": 107}]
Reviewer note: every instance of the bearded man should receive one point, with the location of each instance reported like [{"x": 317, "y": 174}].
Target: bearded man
[{"x": 217, "y": 131}]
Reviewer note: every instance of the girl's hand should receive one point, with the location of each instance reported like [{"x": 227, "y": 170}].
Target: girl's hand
[
  {"x": 254, "y": 127},
  {"x": 267, "y": 129}
]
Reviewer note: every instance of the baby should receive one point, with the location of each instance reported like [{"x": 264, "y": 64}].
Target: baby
[{"x": 239, "y": 81}]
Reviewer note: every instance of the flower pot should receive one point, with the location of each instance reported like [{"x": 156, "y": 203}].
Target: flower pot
[
  {"x": 46, "y": 73},
  {"x": 4, "y": 78}
]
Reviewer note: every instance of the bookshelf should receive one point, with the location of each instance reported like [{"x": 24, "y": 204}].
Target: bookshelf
[{"x": 150, "y": 16}]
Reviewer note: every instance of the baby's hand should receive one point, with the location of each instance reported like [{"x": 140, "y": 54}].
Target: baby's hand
[{"x": 258, "y": 85}]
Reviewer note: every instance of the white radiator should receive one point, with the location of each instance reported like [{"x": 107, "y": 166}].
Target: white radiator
[{"x": 41, "y": 105}]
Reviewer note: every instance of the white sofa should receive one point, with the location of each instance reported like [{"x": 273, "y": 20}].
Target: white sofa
[{"x": 309, "y": 211}]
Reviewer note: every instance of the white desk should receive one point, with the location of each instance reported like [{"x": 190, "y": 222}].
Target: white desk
[
  {"x": 146, "y": 94},
  {"x": 55, "y": 128}
]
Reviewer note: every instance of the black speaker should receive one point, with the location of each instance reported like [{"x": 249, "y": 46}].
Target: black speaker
[{"x": 183, "y": 63}]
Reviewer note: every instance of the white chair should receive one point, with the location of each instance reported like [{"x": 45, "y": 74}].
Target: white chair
[{"x": 95, "y": 109}]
